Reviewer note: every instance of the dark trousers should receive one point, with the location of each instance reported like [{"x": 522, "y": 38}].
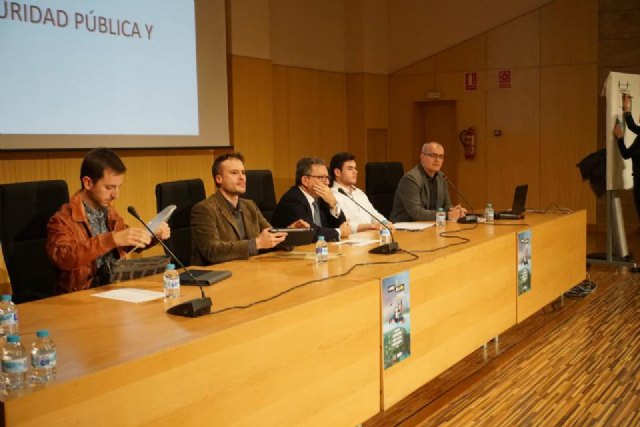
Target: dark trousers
[{"x": 636, "y": 195}]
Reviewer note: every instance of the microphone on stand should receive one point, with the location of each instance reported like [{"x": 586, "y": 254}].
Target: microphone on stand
[
  {"x": 193, "y": 308},
  {"x": 387, "y": 248},
  {"x": 469, "y": 218}
]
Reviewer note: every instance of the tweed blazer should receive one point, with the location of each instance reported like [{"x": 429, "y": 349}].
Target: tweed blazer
[{"x": 215, "y": 236}]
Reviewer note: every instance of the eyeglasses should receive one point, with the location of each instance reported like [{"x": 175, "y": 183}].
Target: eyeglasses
[
  {"x": 434, "y": 156},
  {"x": 322, "y": 177}
]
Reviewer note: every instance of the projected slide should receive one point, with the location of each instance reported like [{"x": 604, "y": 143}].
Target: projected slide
[{"x": 99, "y": 67}]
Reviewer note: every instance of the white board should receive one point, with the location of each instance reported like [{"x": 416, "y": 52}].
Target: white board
[{"x": 619, "y": 175}]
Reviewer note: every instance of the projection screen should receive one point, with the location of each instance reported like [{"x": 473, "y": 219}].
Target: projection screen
[{"x": 117, "y": 73}]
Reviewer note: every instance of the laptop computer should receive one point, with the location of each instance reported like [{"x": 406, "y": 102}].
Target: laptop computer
[{"x": 518, "y": 207}]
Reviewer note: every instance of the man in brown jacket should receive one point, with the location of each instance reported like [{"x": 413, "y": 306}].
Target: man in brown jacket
[
  {"x": 87, "y": 233},
  {"x": 225, "y": 227}
]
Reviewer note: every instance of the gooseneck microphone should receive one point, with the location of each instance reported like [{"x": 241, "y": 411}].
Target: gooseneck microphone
[
  {"x": 193, "y": 308},
  {"x": 469, "y": 218},
  {"x": 387, "y": 248}
]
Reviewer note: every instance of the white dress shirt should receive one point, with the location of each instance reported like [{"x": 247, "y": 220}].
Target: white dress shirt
[
  {"x": 335, "y": 211},
  {"x": 354, "y": 213}
]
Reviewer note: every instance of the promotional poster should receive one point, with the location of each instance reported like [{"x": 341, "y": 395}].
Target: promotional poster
[
  {"x": 524, "y": 262},
  {"x": 396, "y": 319}
]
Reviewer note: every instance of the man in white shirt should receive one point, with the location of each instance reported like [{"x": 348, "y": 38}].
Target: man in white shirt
[{"x": 344, "y": 174}]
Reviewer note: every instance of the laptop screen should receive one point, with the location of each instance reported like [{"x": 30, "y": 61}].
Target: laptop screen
[{"x": 520, "y": 199}]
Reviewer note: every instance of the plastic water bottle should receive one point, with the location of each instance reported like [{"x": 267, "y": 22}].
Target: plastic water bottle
[
  {"x": 385, "y": 234},
  {"x": 43, "y": 358},
  {"x": 8, "y": 316},
  {"x": 489, "y": 213},
  {"x": 322, "y": 250},
  {"x": 171, "y": 282},
  {"x": 441, "y": 218},
  {"x": 14, "y": 363}
]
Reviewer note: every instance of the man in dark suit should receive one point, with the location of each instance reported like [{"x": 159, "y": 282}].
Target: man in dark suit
[
  {"x": 423, "y": 190},
  {"x": 224, "y": 226},
  {"x": 311, "y": 200}
]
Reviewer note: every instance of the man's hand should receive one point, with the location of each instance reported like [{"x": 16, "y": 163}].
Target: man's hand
[
  {"x": 163, "y": 232},
  {"x": 617, "y": 131},
  {"x": 267, "y": 239},
  {"x": 134, "y": 236},
  {"x": 456, "y": 212},
  {"x": 299, "y": 223},
  {"x": 626, "y": 102},
  {"x": 325, "y": 193},
  {"x": 345, "y": 230},
  {"x": 378, "y": 226}
]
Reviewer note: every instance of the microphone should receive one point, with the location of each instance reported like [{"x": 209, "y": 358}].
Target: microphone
[
  {"x": 387, "y": 248},
  {"x": 469, "y": 218},
  {"x": 193, "y": 308}
]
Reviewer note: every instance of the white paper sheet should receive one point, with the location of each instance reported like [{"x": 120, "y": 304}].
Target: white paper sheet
[
  {"x": 130, "y": 295},
  {"x": 413, "y": 226},
  {"x": 357, "y": 241},
  {"x": 303, "y": 255}
]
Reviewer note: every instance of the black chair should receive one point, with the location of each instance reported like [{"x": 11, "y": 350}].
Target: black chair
[
  {"x": 381, "y": 182},
  {"x": 260, "y": 190},
  {"x": 25, "y": 209},
  {"x": 184, "y": 194}
]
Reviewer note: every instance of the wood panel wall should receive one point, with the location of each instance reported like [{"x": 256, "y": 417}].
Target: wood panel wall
[
  {"x": 547, "y": 117},
  {"x": 282, "y": 113}
]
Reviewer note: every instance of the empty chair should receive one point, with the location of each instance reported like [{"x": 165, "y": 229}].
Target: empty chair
[
  {"x": 260, "y": 190},
  {"x": 184, "y": 194},
  {"x": 381, "y": 182},
  {"x": 25, "y": 209}
]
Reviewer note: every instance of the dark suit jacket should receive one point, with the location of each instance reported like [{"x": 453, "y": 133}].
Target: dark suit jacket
[
  {"x": 594, "y": 168},
  {"x": 293, "y": 206},
  {"x": 412, "y": 197},
  {"x": 214, "y": 230}
]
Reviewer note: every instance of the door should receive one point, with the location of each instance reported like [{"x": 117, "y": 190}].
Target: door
[{"x": 439, "y": 124}]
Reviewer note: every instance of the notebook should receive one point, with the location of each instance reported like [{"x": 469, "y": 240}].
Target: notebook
[{"x": 518, "y": 207}]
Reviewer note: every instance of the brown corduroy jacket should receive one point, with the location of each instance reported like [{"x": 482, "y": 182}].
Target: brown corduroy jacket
[{"x": 214, "y": 231}]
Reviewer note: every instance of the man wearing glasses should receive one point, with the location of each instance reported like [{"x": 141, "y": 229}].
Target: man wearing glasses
[
  {"x": 311, "y": 200},
  {"x": 423, "y": 190}
]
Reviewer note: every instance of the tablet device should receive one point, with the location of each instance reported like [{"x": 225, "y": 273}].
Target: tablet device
[
  {"x": 288, "y": 230},
  {"x": 204, "y": 277},
  {"x": 163, "y": 216},
  {"x": 295, "y": 237}
]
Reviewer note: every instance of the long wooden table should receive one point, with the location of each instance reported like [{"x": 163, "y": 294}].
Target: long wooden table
[{"x": 309, "y": 357}]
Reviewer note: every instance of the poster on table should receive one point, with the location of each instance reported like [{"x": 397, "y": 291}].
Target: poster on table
[
  {"x": 524, "y": 262},
  {"x": 396, "y": 319}
]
